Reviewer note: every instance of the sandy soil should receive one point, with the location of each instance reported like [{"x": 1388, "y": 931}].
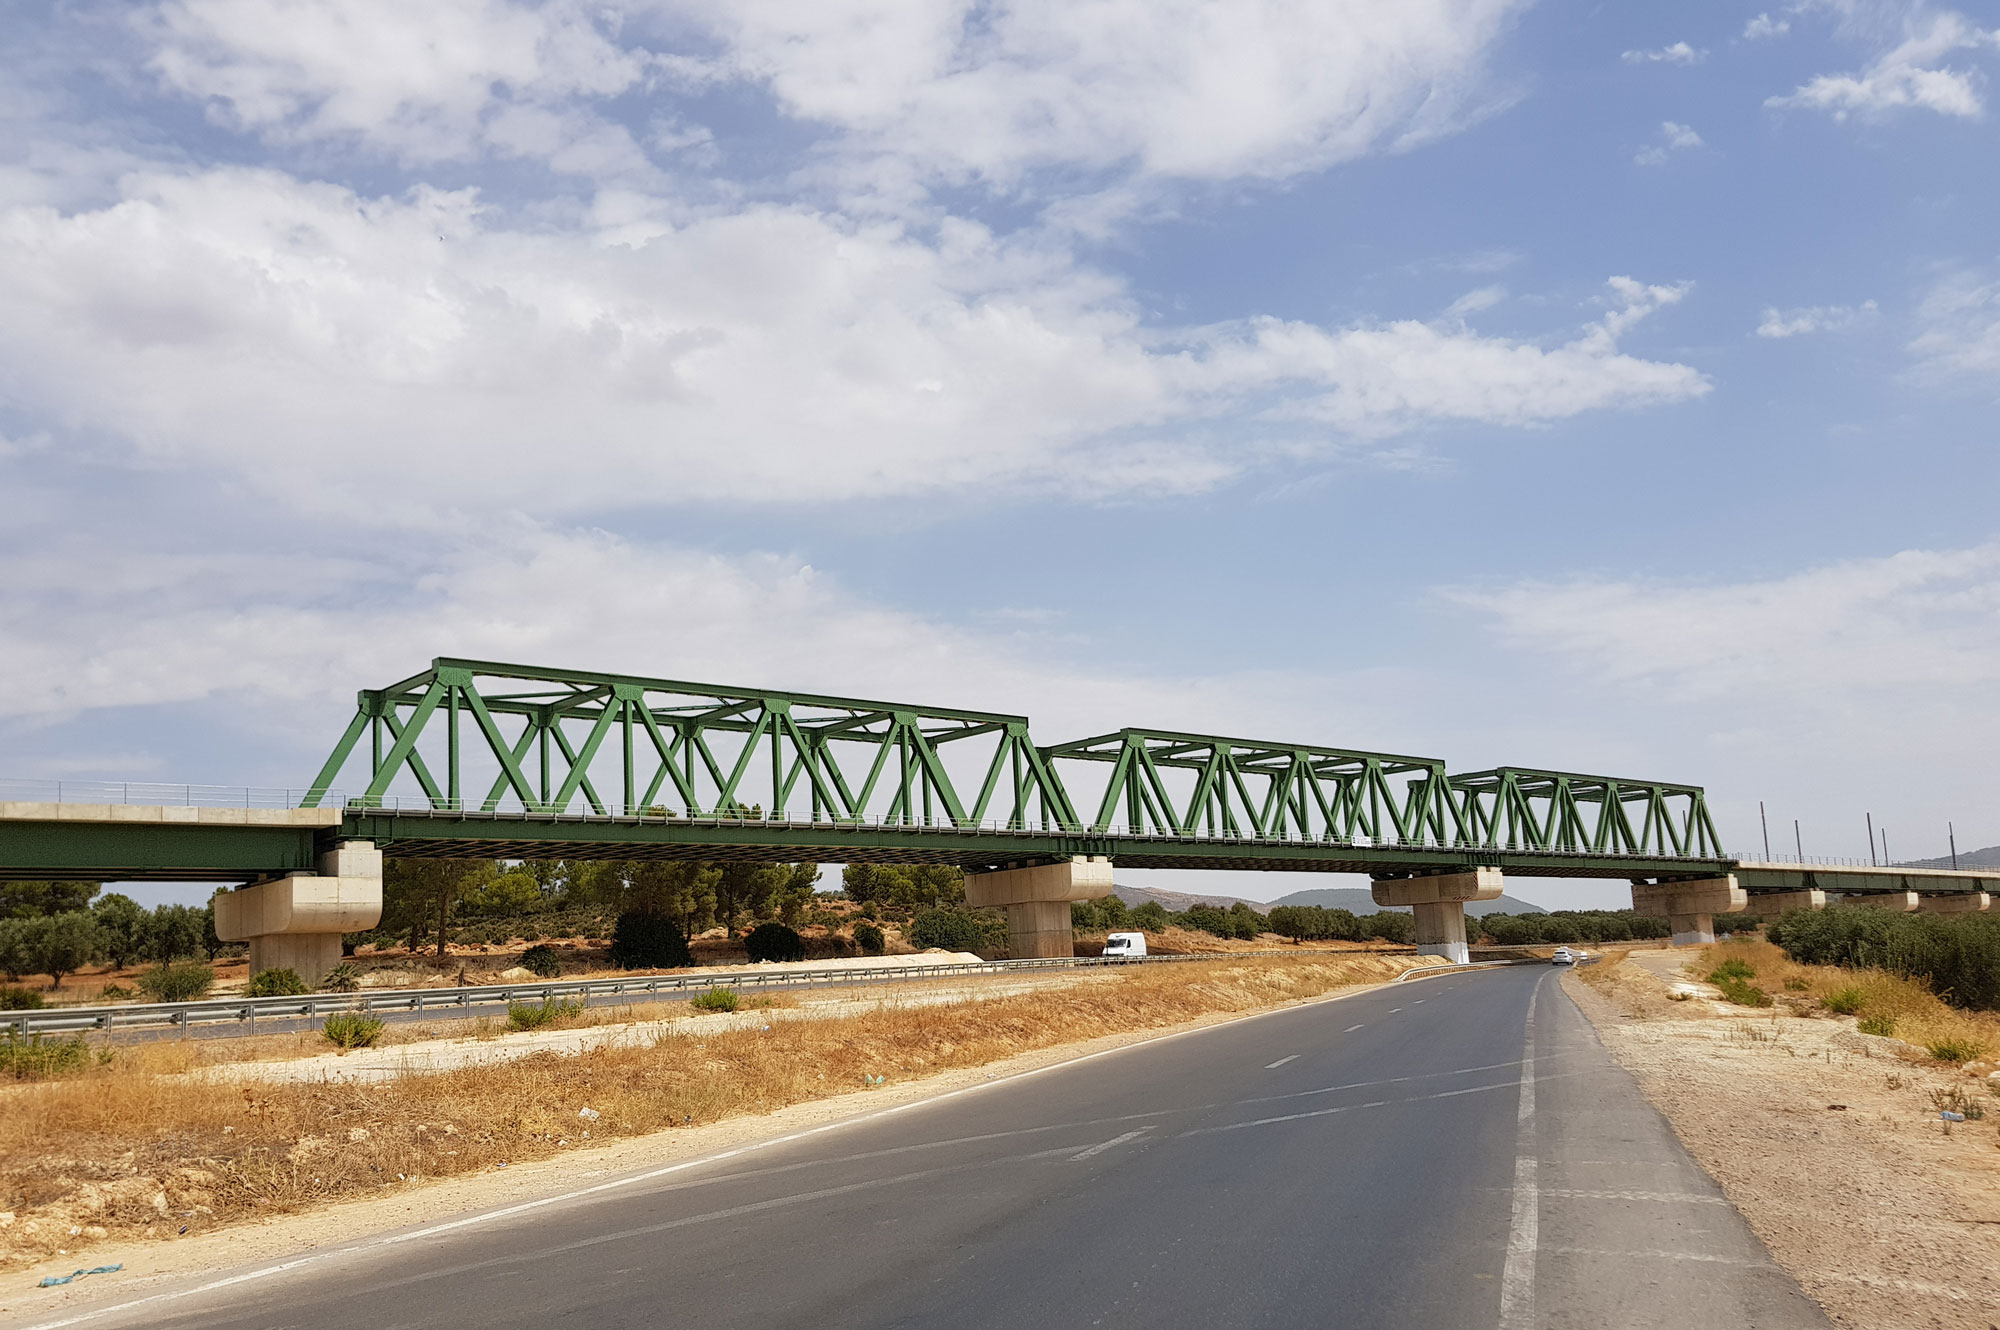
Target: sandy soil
[
  {"x": 1826, "y": 1140},
  {"x": 151, "y": 1266}
]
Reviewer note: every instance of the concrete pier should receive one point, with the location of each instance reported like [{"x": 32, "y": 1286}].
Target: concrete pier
[
  {"x": 1690, "y": 905},
  {"x": 1439, "y": 903},
  {"x": 1037, "y": 899},
  {"x": 1770, "y": 903},
  {"x": 1902, "y": 902},
  {"x": 1957, "y": 902},
  {"x": 295, "y": 922}
]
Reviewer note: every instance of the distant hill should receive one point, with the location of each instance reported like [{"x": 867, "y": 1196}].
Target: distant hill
[
  {"x": 1177, "y": 901},
  {"x": 1359, "y": 901},
  {"x": 1356, "y": 899},
  {"x": 1986, "y": 858}
]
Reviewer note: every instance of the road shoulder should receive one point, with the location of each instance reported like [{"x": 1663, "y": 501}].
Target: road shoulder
[{"x": 1827, "y": 1144}]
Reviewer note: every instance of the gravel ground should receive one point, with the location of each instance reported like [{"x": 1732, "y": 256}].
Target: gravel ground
[{"x": 1829, "y": 1144}]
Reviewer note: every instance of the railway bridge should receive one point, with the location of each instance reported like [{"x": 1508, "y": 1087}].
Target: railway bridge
[{"x": 479, "y": 759}]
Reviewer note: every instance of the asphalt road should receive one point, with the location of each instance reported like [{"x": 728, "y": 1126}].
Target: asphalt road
[{"x": 1456, "y": 1152}]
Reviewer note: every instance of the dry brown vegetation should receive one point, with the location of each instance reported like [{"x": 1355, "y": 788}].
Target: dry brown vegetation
[
  {"x": 1914, "y": 1013},
  {"x": 134, "y": 1149}
]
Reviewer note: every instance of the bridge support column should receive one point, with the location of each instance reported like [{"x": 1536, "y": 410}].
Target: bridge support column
[
  {"x": 1037, "y": 899},
  {"x": 1690, "y": 906},
  {"x": 295, "y": 923},
  {"x": 1902, "y": 902},
  {"x": 1958, "y": 902},
  {"x": 1777, "y": 902},
  {"x": 1439, "y": 903}
]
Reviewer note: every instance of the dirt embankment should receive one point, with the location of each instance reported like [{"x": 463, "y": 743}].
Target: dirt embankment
[
  {"x": 1830, "y": 1142},
  {"x": 139, "y": 1149}
]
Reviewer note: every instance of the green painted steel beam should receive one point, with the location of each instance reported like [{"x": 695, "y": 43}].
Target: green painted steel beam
[
  {"x": 149, "y": 852},
  {"x": 1755, "y": 878}
]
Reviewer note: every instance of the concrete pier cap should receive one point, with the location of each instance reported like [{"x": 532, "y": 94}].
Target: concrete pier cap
[
  {"x": 1439, "y": 904},
  {"x": 1691, "y": 905},
  {"x": 1777, "y": 902},
  {"x": 1956, "y": 902},
  {"x": 1902, "y": 902},
  {"x": 295, "y": 922},
  {"x": 1037, "y": 898}
]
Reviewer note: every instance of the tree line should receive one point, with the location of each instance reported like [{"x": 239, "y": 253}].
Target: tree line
[{"x": 57, "y": 928}]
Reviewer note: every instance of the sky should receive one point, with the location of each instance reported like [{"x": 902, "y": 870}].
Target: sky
[{"x": 1601, "y": 387}]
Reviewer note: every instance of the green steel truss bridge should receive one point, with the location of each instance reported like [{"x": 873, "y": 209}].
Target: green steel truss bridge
[{"x": 477, "y": 759}]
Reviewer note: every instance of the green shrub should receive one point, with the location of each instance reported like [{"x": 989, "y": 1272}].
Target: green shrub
[
  {"x": 38, "y": 1056},
  {"x": 177, "y": 981},
  {"x": 542, "y": 959},
  {"x": 1954, "y": 1048},
  {"x": 1957, "y": 955},
  {"x": 342, "y": 978},
  {"x": 1739, "y": 991},
  {"x": 643, "y": 940},
  {"x": 281, "y": 982},
  {"x": 715, "y": 999},
  {"x": 351, "y": 1029},
  {"x": 869, "y": 938},
  {"x": 774, "y": 942},
  {"x": 1882, "y": 1025},
  {"x": 951, "y": 930},
  {"x": 21, "y": 999},
  {"x": 1733, "y": 968},
  {"x": 1844, "y": 1001},
  {"x": 533, "y": 1016}
]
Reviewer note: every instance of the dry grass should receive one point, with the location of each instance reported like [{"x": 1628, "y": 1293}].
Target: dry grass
[
  {"x": 132, "y": 1149},
  {"x": 1920, "y": 1017}
]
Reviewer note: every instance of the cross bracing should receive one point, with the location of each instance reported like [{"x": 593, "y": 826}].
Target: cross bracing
[{"x": 483, "y": 739}]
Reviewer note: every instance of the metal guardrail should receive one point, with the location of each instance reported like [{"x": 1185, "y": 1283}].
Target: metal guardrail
[{"x": 247, "y": 1010}]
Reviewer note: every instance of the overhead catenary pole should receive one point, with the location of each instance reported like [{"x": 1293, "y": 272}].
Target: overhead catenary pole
[
  {"x": 1951, "y": 834},
  {"x": 1798, "y": 840},
  {"x": 1767, "y": 830},
  {"x": 1871, "y": 840}
]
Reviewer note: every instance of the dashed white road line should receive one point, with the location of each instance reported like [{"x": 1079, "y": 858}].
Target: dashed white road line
[
  {"x": 1351, "y": 1029},
  {"x": 1273, "y": 1066},
  {"x": 1102, "y": 1146},
  {"x": 1517, "y": 1277}
]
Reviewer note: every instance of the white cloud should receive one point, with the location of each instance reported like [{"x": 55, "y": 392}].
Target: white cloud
[
  {"x": 309, "y": 340},
  {"x": 1907, "y": 75},
  {"x": 1960, "y": 318},
  {"x": 441, "y": 80},
  {"x": 1680, "y": 53},
  {"x": 913, "y": 89},
  {"x": 1764, "y": 27},
  {"x": 1918, "y": 619},
  {"x": 1782, "y": 323},
  {"x": 1674, "y": 137}
]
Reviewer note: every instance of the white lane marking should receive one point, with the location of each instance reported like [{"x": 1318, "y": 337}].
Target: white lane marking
[
  {"x": 1684, "y": 1197},
  {"x": 1352, "y": 1028},
  {"x": 1344, "y": 1108},
  {"x": 1273, "y": 1066},
  {"x": 1394, "y": 1010},
  {"x": 1656, "y": 1255},
  {"x": 1517, "y": 1277},
  {"x": 1102, "y": 1146},
  {"x": 348, "y": 1251},
  {"x": 1419, "y": 1002}
]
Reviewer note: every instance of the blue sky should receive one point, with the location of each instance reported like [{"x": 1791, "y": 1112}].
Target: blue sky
[{"x": 1599, "y": 387}]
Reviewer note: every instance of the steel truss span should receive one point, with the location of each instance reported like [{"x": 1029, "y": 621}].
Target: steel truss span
[{"x": 493, "y": 759}]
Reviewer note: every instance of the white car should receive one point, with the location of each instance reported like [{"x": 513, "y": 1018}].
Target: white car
[{"x": 1564, "y": 956}]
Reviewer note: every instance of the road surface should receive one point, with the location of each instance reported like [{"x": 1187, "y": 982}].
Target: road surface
[{"x": 1453, "y": 1152}]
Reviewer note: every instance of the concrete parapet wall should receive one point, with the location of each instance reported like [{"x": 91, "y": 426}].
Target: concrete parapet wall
[{"x": 186, "y": 815}]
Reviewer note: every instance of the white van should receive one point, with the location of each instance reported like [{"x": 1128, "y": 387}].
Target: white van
[{"x": 1130, "y": 946}]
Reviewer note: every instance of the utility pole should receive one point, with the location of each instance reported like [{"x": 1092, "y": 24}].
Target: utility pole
[
  {"x": 1767, "y": 830},
  {"x": 1887, "y": 862},
  {"x": 1871, "y": 840},
  {"x": 1951, "y": 834},
  {"x": 1798, "y": 840}
]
